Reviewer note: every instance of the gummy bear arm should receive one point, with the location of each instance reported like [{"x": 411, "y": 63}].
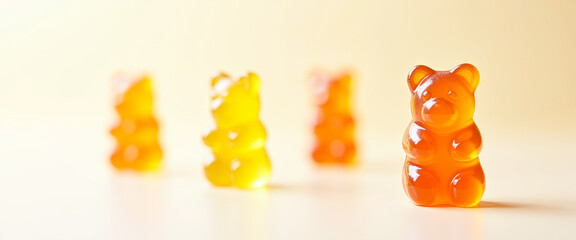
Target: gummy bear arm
[
  {"x": 467, "y": 144},
  {"x": 248, "y": 134},
  {"x": 213, "y": 138},
  {"x": 417, "y": 142}
]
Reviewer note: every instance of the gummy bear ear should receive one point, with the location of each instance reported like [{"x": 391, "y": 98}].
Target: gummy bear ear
[
  {"x": 218, "y": 77},
  {"x": 251, "y": 82},
  {"x": 468, "y": 72},
  {"x": 346, "y": 78},
  {"x": 417, "y": 74}
]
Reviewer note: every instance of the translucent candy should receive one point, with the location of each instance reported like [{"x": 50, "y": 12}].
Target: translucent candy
[
  {"x": 442, "y": 142},
  {"x": 334, "y": 122},
  {"x": 136, "y": 132},
  {"x": 237, "y": 140}
]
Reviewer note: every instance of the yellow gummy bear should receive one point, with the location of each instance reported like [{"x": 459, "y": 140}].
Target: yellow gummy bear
[
  {"x": 136, "y": 132},
  {"x": 238, "y": 137}
]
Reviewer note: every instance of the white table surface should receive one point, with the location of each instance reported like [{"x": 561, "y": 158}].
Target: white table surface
[{"x": 63, "y": 188}]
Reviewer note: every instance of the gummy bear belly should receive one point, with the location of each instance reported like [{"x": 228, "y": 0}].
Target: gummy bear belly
[
  {"x": 137, "y": 145},
  {"x": 251, "y": 169},
  {"x": 444, "y": 181},
  {"x": 335, "y": 151},
  {"x": 238, "y": 156},
  {"x": 334, "y": 142}
]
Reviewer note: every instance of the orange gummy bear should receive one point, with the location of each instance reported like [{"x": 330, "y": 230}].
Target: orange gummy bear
[
  {"x": 136, "y": 132},
  {"x": 442, "y": 142},
  {"x": 334, "y": 122}
]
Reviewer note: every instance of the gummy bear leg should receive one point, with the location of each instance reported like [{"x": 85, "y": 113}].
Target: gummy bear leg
[
  {"x": 251, "y": 171},
  {"x": 320, "y": 153},
  {"x": 420, "y": 185},
  {"x": 334, "y": 152},
  {"x": 349, "y": 156},
  {"x": 148, "y": 159},
  {"x": 117, "y": 159},
  {"x": 467, "y": 188},
  {"x": 218, "y": 171}
]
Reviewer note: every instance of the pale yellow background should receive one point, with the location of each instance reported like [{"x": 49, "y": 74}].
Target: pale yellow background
[{"x": 57, "y": 57}]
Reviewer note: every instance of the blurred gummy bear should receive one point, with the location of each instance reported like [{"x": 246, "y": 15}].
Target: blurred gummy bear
[
  {"x": 238, "y": 137},
  {"x": 136, "y": 132}
]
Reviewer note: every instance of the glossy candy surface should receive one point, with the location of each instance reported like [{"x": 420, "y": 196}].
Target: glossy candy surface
[
  {"x": 136, "y": 132},
  {"x": 238, "y": 137},
  {"x": 442, "y": 142},
  {"x": 334, "y": 122}
]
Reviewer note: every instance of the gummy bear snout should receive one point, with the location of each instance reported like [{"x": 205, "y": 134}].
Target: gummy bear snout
[{"x": 437, "y": 112}]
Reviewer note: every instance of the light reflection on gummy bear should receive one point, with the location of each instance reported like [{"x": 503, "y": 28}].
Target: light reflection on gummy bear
[
  {"x": 136, "y": 132},
  {"x": 238, "y": 137},
  {"x": 334, "y": 122},
  {"x": 442, "y": 142}
]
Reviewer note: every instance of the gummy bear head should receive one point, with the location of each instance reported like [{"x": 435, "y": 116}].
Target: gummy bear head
[
  {"x": 235, "y": 101},
  {"x": 133, "y": 95},
  {"x": 332, "y": 92},
  {"x": 443, "y": 100}
]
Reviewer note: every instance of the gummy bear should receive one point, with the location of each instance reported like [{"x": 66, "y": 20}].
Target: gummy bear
[
  {"x": 136, "y": 133},
  {"x": 442, "y": 142},
  {"x": 238, "y": 137},
  {"x": 334, "y": 121}
]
